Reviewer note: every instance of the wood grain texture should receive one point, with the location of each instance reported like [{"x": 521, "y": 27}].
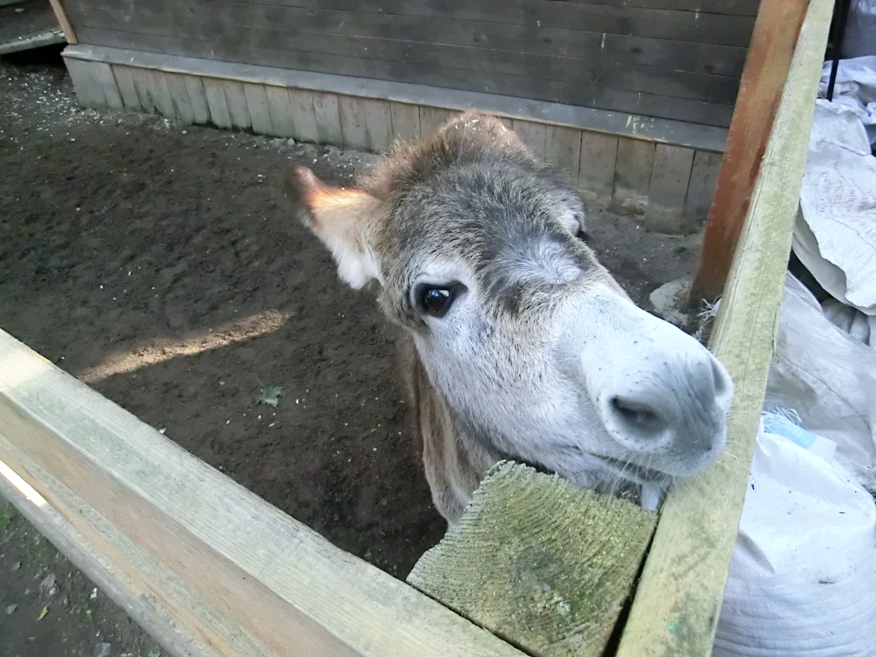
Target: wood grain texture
[
  {"x": 229, "y": 570},
  {"x": 562, "y": 149},
  {"x": 542, "y": 88},
  {"x": 532, "y": 135},
  {"x": 703, "y": 179},
  {"x": 143, "y": 87},
  {"x": 89, "y": 90},
  {"x": 126, "y": 88},
  {"x": 405, "y": 121},
  {"x": 161, "y": 94},
  {"x": 432, "y": 118},
  {"x": 214, "y": 90},
  {"x": 257, "y": 104},
  {"x": 766, "y": 69},
  {"x": 678, "y": 600},
  {"x": 552, "y": 575},
  {"x": 312, "y": 35},
  {"x": 597, "y": 164},
  {"x": 179, "y": 95},
  {"x": 280, "y": 110},
  {"x": 670, "y": 131},
  {"x": 238, "y": 110},
  {"x": 670, "y": 178},
  {"x": 197, "y": 99},
  {"x": 673, "y": 25},
  {"x": 87, "y": 551},
  {"x": 376, "y": 29},
  {"x": 303, "y": 115},
  {"x": 327, "y": 115},
  {"x": 63, "y": 21},
  {"x": 632, "y": 175}
]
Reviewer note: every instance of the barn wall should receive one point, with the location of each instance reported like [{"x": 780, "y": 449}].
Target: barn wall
[
  {"x": 669, "y": 59},
  {"x": 669, "y": 187}
]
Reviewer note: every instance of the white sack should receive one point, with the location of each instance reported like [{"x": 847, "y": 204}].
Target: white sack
[
  {"x": 802, "y": 579},
  {"x": 828, "y": 378},
  {"x": 855, "y": 89},
  {"x": 835, "y": 235}
]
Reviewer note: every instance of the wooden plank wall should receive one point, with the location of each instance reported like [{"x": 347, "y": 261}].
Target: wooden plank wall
[
  {"x": 673, "y": 59},
  {"x": 669, "y": 187}
]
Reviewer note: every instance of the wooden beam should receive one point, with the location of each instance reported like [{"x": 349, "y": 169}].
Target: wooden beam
[
  {"x": 676, "y": 608},
  {"x": 63, "y": 21},
  {"x": 233, "y": 574},
  {"x": 544, "y": 564},
  {"x": 763, "y": 78}
]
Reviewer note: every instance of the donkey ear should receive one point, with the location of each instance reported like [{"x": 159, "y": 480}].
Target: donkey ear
[{"x": 341, "y": 218}]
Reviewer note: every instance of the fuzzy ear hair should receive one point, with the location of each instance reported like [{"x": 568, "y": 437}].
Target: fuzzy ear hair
[{"x": 341, "y": 218}]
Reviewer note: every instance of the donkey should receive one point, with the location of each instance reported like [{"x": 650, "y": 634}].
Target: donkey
[{"x": 519, "y": 344}]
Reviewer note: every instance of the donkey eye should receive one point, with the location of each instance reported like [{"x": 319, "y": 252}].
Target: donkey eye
[{"x": 436, "y": 300}]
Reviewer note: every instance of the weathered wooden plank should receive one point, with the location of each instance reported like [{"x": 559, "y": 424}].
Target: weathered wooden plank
[
  {"x": 88, "y": 552},
  {"x": 280, "y": 110},
  {"x": 552, "y": 575},
  {"x": 179, "y": 95},
  {"x": 562, "y": 148},
  {"x": 230, "y": 571},
  {"x": 63, "y": 21},
  {"x": 89, "y": 90},
  {"x": 693, "y": 135},
  {"x": 365, "y": 123},
  {"x": 534, "y": 87},
  {"x": 597, "y": 164},
  {"x": 670, "y": 178},
  {"x": 432, "y": 118},
  {"x": 703, "y": 179},
  {"x": 214, "y": 90},
  {"x": 632, "y": 175},
  {"x": 257, "y": 104},
  {"x": 584, "y": 46},
  {"x": 689, "y": 26},
  {"x": 303, "y": 115},
  {"x": 772, "y": 47},
  {"x": 532, "y": 135},
  {"x": 197, "y": 99},
  {"x": 733, "y": 7},
  {"x": 130, "y": 100},
  {"x": 328, "y": 119},
  {"x": 204, "y": 23},
  {"x": 678, "y": 599},
  {"x": 237, "y": 108},
  {"x": 103, "y": 76},
  {"x": 405, "y": 121},
  {"x": 160, "y": 93},
  {"x": 143, "y": 87}
]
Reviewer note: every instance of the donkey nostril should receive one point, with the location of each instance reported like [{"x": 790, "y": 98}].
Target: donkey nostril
[
  {"x": 637, "y": 417},
  {"x": 721, "y": 378}
]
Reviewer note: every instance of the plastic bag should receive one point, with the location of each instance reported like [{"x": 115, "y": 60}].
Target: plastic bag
[
  {"x": 835, "y": 235},
  {"x": 802, "y": 579},
  {"x": 828, "y": 378}
]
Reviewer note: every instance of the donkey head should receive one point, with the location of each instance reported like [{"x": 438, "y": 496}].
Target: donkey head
[{"x": 535, "y": 349}]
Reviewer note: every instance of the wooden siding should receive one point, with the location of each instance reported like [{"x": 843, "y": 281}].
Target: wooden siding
[
  {"x": 668, "y": 187},
  {"x": 668, "y": 59}
]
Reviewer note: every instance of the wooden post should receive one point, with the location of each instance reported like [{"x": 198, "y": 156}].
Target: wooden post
[
  {"x": 539, "y": 562},
  {"x": 63, "y": 21},
  {"x": 679, "y": 597},
  {"x": 766, "y": 69}
]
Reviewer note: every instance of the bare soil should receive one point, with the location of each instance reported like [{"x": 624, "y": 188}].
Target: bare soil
[{"x": 160, "y": 263}]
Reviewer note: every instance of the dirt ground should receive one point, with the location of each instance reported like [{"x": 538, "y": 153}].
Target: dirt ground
[{"x": 159, "y": 263}]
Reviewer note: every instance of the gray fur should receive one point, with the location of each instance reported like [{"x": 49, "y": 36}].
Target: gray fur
[{"x": 543, "y": 358}]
